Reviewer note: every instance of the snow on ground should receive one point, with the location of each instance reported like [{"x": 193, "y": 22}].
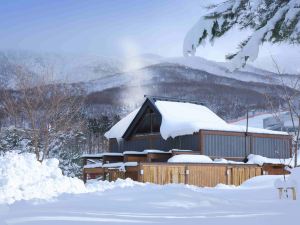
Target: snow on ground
[
  {"x": 22, "y": 177},
  {"x": 127, "y": 202},
  {"x": 46, "y": 197}
]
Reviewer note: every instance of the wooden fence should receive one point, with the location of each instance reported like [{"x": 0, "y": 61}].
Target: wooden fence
[
  {"x": 208, "y": 175},
  {"x": 203, "y": 175}
]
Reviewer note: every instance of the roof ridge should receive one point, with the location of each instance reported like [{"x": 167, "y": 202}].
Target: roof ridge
[{"x": 172, "y": 99}]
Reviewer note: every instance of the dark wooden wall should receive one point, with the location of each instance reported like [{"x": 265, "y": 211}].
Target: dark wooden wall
[{"x": 217, "y": 144}]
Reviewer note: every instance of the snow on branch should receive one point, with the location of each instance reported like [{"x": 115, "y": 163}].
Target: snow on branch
[{"x": 270, "y": 21}]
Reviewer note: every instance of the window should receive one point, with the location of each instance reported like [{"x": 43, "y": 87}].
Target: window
[{"x": 150, "y": 123}]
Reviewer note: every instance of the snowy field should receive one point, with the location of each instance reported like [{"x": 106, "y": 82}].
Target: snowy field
[
  {"x": 52, "y": 198},
  {"x": 153, "y": 204}
]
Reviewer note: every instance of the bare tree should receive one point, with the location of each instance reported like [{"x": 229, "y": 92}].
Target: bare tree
[
  {"x": 291, "y": 101},
  {"x": 50, "y": 109}
]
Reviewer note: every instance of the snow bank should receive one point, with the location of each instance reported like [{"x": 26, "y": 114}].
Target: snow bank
[
  {"x": 23, "y": 177},
  {"x": 264, "y": 181},
  {"x": 96, "y": 185},
  {"x": 190, "y": 159},
  {"x": 260, "y": 160},
  {"x": 291, "y": 180}
]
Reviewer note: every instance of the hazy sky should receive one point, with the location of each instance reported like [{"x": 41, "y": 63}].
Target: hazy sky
[
  {"x": 109, "y": 27},
  {"x": 98, "y": 26}
]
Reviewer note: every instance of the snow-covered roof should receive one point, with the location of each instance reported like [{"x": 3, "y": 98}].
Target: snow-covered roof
[
  {"x": 134, "y": 153},
  {"x": 183, "y": 118},
  {"x": 93, "y": 165},
  {"x": 118, "y": 130},
  {"x": 99, "y": 155}
]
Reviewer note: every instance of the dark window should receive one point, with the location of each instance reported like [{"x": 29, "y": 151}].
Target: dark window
[
  {"x": 156, "y": 121},
  {"x": 150, "y": 123}
]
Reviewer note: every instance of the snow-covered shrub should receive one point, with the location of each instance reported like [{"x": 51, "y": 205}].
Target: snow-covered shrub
[{"x": 13, "y": 138}]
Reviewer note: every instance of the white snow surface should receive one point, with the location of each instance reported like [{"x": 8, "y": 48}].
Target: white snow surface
[
  {"x": 120, "y": 203},
  {"x": 102, "y": 154},
  {"x": 292, "y": 180},
  {"x": 260, "y": 160},
  {"x": 190, "y": 159},
  {"x": 154, "y": 151},
  {"x": 119, "y": 164},
  {"x": 182, "y": 118},
  {"x": 134, "y": 153},
  {"x": 252, "y": 159},
  {"x": 249, "y": 51},
  {"x": 118, "y": 130},
  {"x": 22, "y": 177},
  {"x": 49, "y": 198},
  {"x": 93, "y": 165}
]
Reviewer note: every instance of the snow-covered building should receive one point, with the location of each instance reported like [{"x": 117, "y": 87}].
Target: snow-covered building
[{"x": 165, "y": 124}]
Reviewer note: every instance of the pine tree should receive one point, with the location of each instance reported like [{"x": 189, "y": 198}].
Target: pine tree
[{"x": 272, "y": 21}]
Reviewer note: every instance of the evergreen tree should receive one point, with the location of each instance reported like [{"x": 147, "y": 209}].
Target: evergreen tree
[{"x": 269, "y": 20}]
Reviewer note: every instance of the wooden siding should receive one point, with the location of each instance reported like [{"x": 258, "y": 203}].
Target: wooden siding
[
  {"x": 203, "y": 175},
  {"x": 92, "y": 173},
  {"x": 135, "y": 158},
  {"x": 158, "y": 174},
  {"x": 274, "y": 169},
  {"x": 216, "y": 144},
  {"x": 130, "y": 172}
]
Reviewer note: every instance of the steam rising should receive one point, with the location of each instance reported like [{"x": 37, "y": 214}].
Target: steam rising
[{"x": 134, "y": 93}]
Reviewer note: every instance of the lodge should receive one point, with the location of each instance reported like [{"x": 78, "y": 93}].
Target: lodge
[
  {"x": 164, "y": 127},
  {"x": 165, "y": 124}
]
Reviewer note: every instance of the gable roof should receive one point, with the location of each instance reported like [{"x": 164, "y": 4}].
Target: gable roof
[{"x": 178, "y": 118}]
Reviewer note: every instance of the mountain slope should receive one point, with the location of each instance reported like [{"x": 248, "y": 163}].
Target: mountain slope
[
  {"x": 82, "y": 68},
  {"x": 229, "y": 97}
]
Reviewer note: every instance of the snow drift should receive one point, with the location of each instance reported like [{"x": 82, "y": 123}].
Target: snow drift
[{"x": 22, "y": 177}]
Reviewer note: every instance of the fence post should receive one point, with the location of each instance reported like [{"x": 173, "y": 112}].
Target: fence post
[
  {"x": 228, "y": 175},
  {"x": 140, "y": 173},
  {"x": 186, "y": 174}
]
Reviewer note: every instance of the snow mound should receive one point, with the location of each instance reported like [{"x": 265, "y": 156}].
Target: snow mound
[
  {"x": 96, "y": 185},
  {"x": 264, "y": 181},
  {"x": 291, "y": 181},
  {"x": 190, "y": 159},
  {"x": 22, "y": 177},
  {"x": 260, "y": 160}
]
